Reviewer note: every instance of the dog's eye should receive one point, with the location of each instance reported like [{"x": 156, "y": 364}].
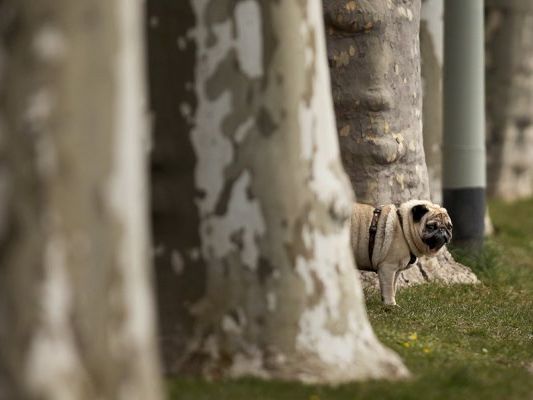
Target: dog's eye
[{"x": 431, "y": 226}]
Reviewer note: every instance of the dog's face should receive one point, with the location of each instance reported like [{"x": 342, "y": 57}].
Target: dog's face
[{"x": 433, "y": 225}]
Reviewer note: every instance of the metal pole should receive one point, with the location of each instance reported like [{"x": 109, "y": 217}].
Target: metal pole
[{"x": 464, "y": 177}]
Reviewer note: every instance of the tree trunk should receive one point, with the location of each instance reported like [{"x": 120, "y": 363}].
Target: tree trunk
[
  {"x": 251, "y": 206},
  {"x": 431, "y": 53},
  {"x": 509, "y": 87},
  {"x": 373, "y": 51},
  {"x": 76, "y": 316}
]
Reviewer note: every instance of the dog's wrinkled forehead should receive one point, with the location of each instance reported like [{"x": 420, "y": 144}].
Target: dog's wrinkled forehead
[{"x": 439, "y": 215}]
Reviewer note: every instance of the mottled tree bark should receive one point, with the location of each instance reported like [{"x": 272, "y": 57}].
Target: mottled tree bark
[
  {"x": 375, "y": 66},
  {"x": 76, "y": 317},
  {"x": 374, "y": 58},
  {"x": 251, "y": 205},
  {"x": 509, "y": 97}
]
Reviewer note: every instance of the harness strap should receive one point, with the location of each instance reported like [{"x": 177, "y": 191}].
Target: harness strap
[
  {"x": 372, "y": 233},
  {"x": 413, "y": 257}
]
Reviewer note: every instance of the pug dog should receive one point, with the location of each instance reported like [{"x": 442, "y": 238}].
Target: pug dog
[{"x": 388, "y": 239}]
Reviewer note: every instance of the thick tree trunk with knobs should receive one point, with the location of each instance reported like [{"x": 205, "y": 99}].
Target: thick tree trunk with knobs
[{"x": 374, "y": 58}]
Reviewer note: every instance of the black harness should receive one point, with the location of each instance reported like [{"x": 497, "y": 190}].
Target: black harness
[{"x": 372, "y": 234}]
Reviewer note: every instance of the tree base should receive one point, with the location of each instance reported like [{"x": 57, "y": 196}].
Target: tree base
[
  {"x": 443, "y": 269},
  {"x": 372, "y": 361}
]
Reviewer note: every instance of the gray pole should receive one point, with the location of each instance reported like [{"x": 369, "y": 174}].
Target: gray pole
[{"x": 464, "y": 177}]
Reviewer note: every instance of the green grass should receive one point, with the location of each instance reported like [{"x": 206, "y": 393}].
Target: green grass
[{"x": 460, "y": 342}]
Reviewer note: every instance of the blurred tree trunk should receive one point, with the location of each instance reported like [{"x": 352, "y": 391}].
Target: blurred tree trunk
[
  {"x": 373, "y": 51},
  {"x": 509, "y": 86},
  {"x": 76, "y": 318},
  {"x": 431, "y": 53},
  {"x": 251, "y": 205}
]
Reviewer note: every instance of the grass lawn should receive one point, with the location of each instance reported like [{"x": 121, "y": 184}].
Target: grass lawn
[{"x": 460, "y": 342}]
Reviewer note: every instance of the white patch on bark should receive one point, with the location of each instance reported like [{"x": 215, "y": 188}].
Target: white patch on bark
[
  {"x": 45, "y": 156},
  {"x": 50, "y": 44},
  {"x": 230, "y": 325},
  {"x": 53, "y": 368},
  {"x": 181, "y": 42},
  {"x": 249, "y": 364},
  {"x": 214, "y": 151},
  {"x": 271, "y": 301},
  {"x": 303, "y": 271},
  {"x": 243, "y": 219},
  {"x": 400, "y": 178},
  {"x": 195, "y": 253},
  {"x": 405, "y": 12},
  {"x": 186, "y": 111},
  {"x": 247, "y": 42},
  {"x": 317, "y": 117},
  {"x": 210, "y": 346},
  {"x": 127, "y": 191},
  {"x": 39, "y": 107},
  {"x": 249, "y": 38},
  {"x": 243, "y": 129},
  {"x": 176, "y": 260},
  {"x": 334, "y": 349},
  {"x": 330, "y": 251},
  {"x": 332, "y": 258}
]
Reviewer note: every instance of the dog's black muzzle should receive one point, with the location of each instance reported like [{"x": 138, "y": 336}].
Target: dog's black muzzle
[{"x": 438, "y": 239}]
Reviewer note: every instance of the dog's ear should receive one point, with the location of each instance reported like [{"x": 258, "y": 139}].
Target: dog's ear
[{"x": 418, "y": 212}]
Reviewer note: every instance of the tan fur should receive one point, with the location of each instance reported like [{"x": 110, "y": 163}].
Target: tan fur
[{"x": 393, "y": 246}]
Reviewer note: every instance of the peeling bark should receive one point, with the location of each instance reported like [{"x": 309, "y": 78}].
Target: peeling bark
[
  {"x": 75, "y": 308},
  {"x": 374, "y": 59},
  {"x": 509, "y": 88},
  {"x": 263, "y": 243}
]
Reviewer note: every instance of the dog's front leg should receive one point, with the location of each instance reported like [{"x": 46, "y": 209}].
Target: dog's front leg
[
  {"x": 386, "y": 274},
  {"x": 395, "y": 283}
]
